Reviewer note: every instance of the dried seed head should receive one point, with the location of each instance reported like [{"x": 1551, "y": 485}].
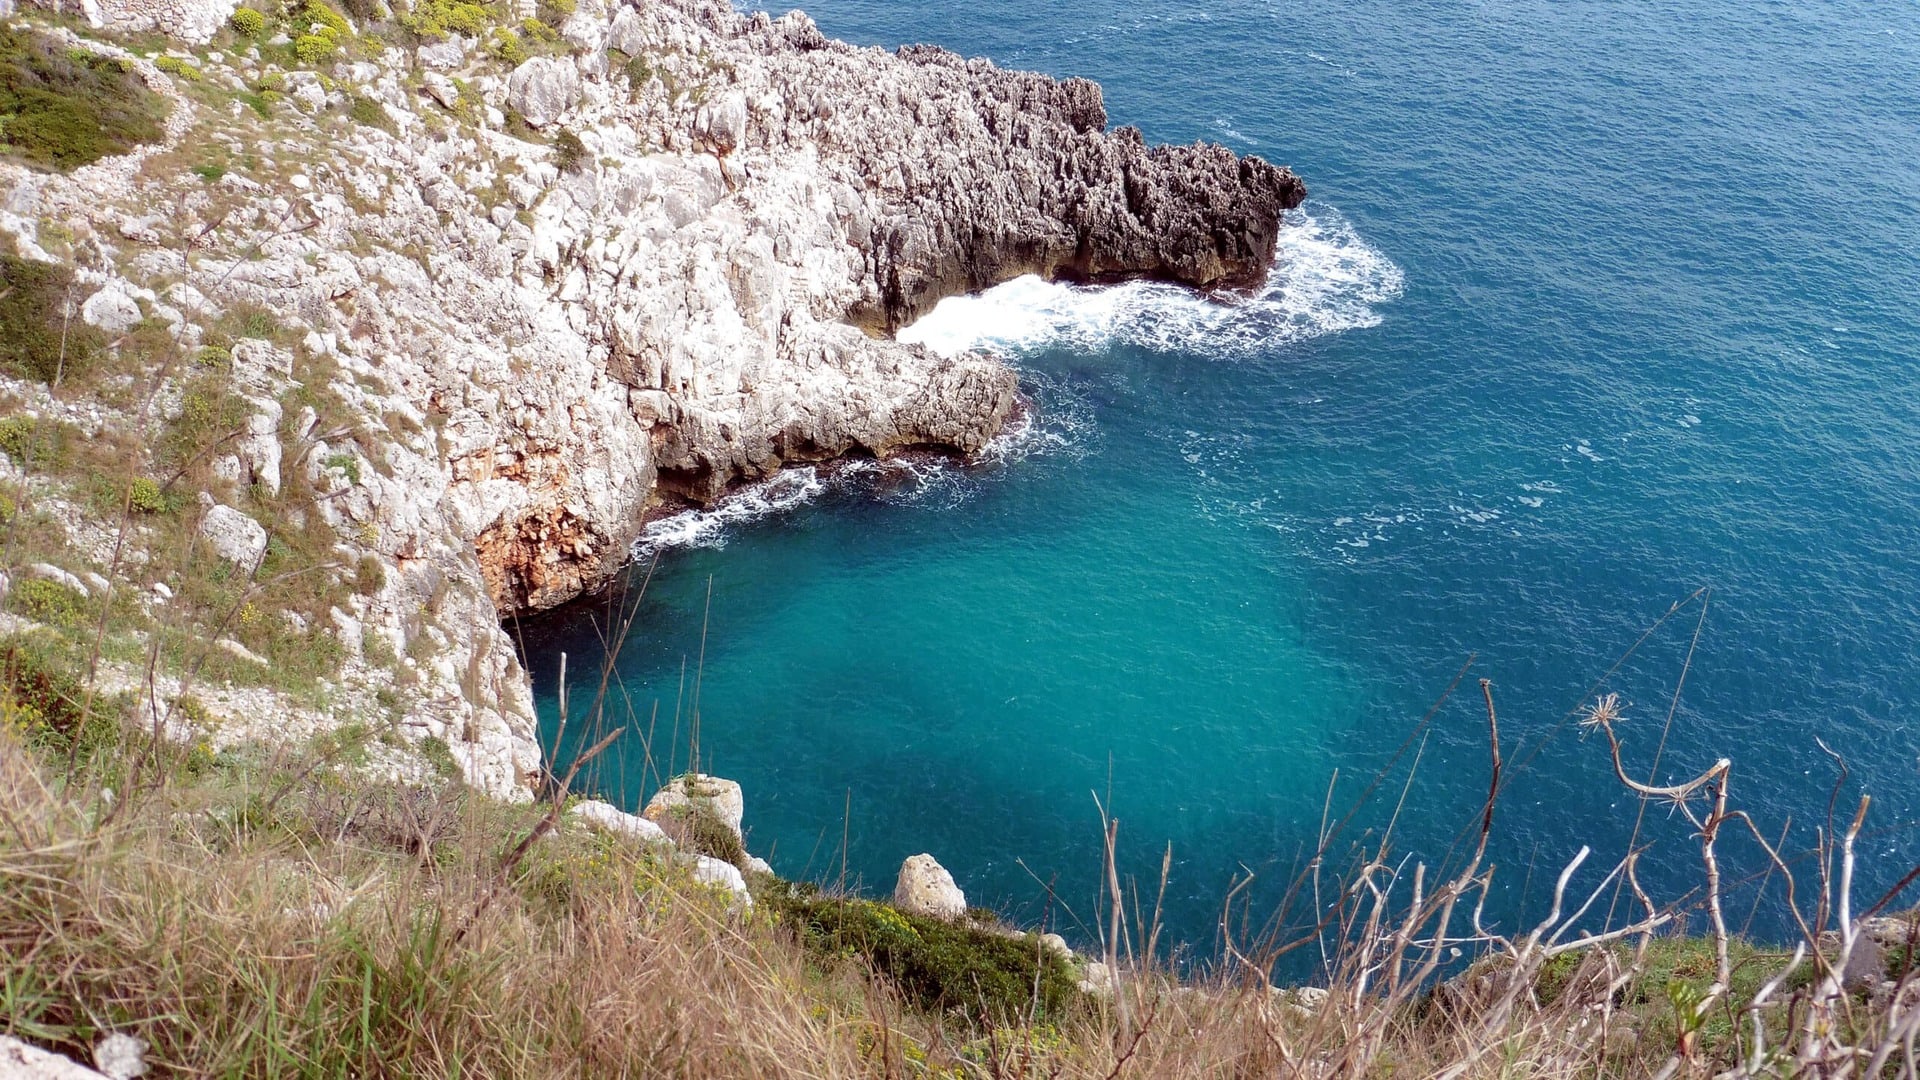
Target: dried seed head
[{"x": 1602, "y": 713}]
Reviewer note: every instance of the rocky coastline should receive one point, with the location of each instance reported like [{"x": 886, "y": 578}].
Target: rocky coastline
[{"x": 662, "y": 258}]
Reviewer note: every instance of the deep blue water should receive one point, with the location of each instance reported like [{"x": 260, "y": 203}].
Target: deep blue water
[{"x": 1594, "y": 305}]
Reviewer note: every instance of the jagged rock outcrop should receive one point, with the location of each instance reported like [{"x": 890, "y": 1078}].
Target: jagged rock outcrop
[{"x": 530, "y": 344}]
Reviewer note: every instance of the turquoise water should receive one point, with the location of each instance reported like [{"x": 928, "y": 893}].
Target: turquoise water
[{"x": 1594, "y": 306}]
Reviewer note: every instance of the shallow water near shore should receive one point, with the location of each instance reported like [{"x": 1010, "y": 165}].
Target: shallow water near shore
[{"x": 1593, "y": 306}]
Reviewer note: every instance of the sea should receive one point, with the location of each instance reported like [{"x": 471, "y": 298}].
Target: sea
[{"x": 1591, "y": 366}]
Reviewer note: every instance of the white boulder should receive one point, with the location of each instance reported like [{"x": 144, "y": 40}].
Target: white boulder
[
  {"x": 111, "y": 310},
  {"x": 234, "y": 536},
  {"x": 58, "y": 576},
  {"x": 1099, "y": 979},
  {"x": 708, "y": 870},
  {"x": 24, "y": 1061},
  {"x": 120, "y": 1056},
  {"x": 609, "y": 818},
  {"x": 925, "y": 888}
]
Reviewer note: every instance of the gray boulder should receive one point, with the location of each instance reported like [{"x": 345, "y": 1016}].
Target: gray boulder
[
  {"x": 111, "y": 310},
  {"x": 234, "y": 536},
  {"x": 543, "y": 88},
  {"x": 443, "y": 55}
]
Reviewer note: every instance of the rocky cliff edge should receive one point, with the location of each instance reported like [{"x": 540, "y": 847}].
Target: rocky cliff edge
[{"x": 662, "y": 257}]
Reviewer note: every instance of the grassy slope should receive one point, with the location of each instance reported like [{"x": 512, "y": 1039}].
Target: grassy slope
[{"x": 278, "y": 913}]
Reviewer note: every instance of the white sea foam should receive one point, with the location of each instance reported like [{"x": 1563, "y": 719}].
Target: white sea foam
[
  {"x": 1325, "y": 279},
  {"x": 784, "y": 491}
]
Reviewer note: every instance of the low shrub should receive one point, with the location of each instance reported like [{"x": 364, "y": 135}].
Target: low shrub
[
  {"x": 696, "y": 828},
  {"x": 210, "y": 413},
  {"x": 178, "y": 68},
  {"x": 433, "y": 20},
  {"x": 938, "y": 966},
  {"x": 569, "y": 153},
  {"x": 42, "y": 336},
  {"x": 17, "y": 437},
  {"x": 146, "y": 497},
  {"x": 505, "y": 46},
  {"x": 262, "y": 102},
  {"x": 313, "y": 49},
  {"x": 41, "y": 696},
  {"x": 535, "y": 30},
  {"x": 365, "y": 110},
  {"x": 49, "y": 602},
  {"x": 331, "y": 22},
  {"x": 65, "y": 108},
  {"x": 247, "y": 22}
]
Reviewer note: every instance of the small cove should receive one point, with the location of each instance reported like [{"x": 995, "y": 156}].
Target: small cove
[{"x": 1573, "y": 326}]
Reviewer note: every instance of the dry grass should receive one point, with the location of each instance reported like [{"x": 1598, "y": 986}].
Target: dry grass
[{"x": 249, "y": 918}]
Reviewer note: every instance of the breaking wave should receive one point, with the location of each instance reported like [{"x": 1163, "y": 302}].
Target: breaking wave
[{"x": 1325, "y": 279}]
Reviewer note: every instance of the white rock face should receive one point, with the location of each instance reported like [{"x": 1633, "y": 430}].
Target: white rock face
[
  {"x": 721, "y": 797},
  {"x": 925, "y": 888},
  {"x": 542, "y": 88},
  {"x": 234, "y": 536},
  {"x": 606, "y": 816},
  {"x": 195, "y": 21}
]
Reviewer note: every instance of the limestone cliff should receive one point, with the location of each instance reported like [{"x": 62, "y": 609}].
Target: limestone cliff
[{"x": 664, "y": 258}]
